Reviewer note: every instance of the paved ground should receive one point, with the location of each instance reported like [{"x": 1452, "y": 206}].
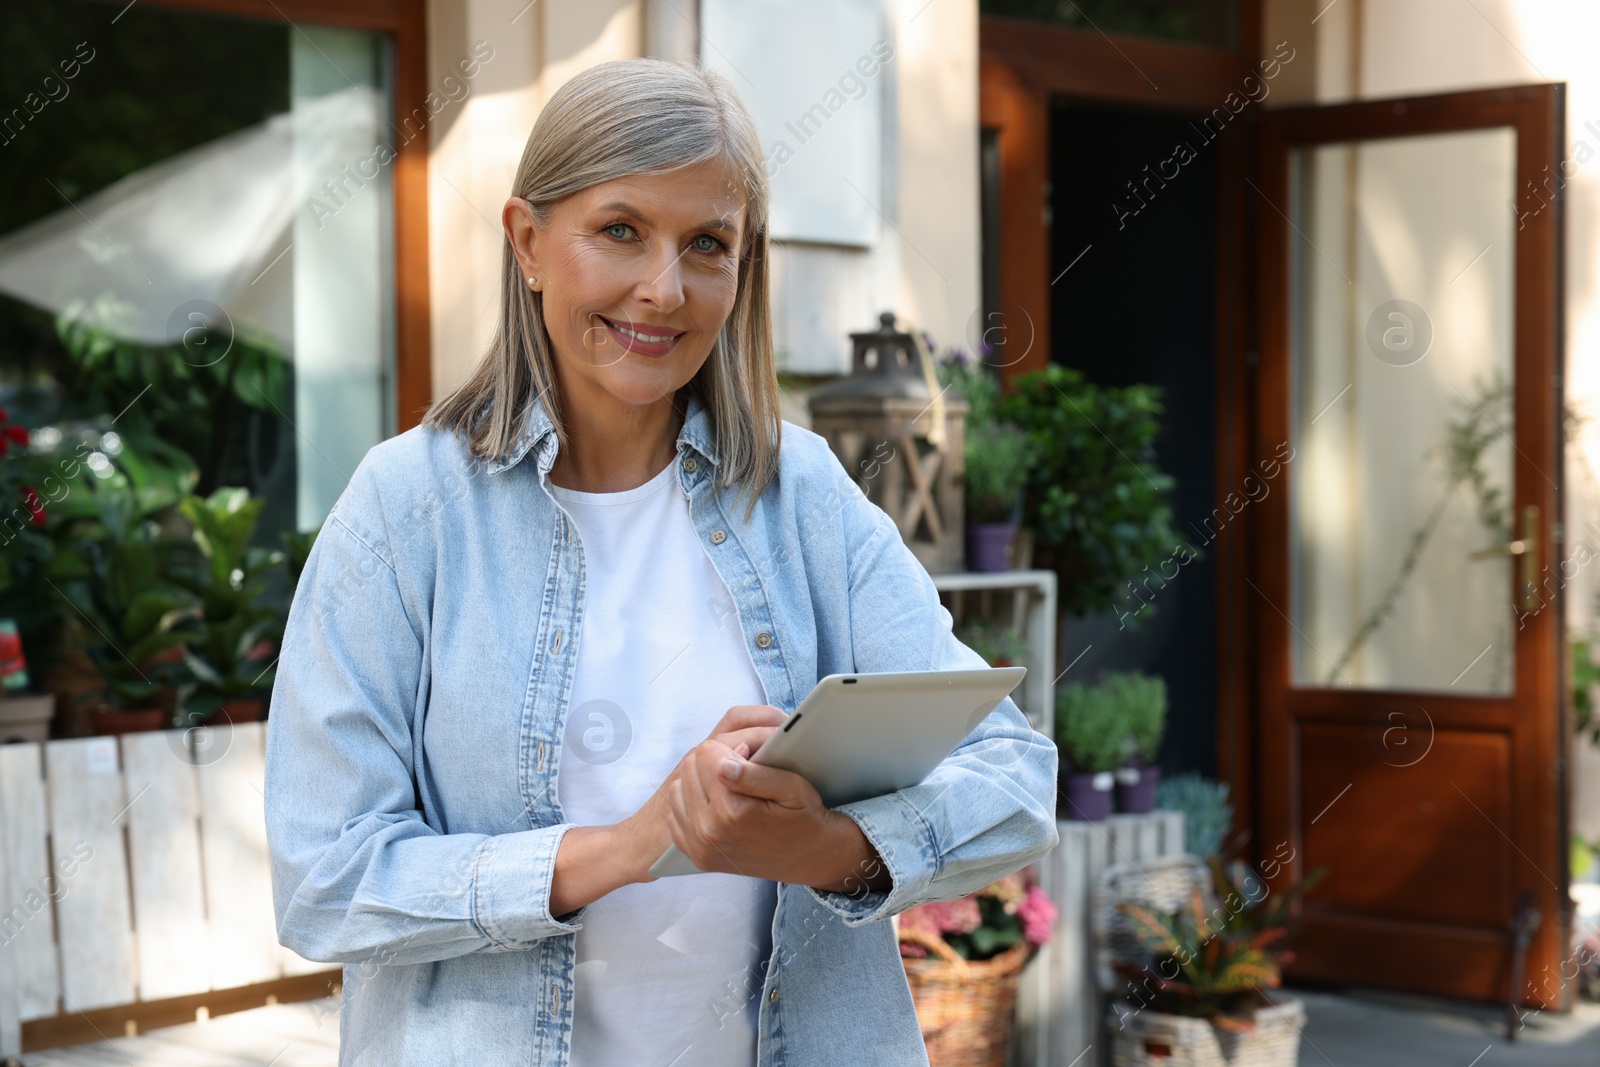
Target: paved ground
[
  {"x": 1350, "y": 1029},
  {"x": 1371, "y": 1029},
  {"x": 280, "y": 1035}
]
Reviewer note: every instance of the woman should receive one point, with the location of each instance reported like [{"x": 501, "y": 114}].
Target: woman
[{"x": 538, "y": 637}]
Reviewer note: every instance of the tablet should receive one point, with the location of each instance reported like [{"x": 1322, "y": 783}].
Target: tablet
[{"x": 863, "y": 735}]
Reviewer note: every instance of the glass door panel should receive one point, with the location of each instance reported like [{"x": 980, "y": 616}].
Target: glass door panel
[{"x": 1401, "y": 333}]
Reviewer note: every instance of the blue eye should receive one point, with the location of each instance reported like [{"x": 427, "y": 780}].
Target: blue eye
[
  {"x": 623, "y": 226},
  {"x": 712, "y": 246}
]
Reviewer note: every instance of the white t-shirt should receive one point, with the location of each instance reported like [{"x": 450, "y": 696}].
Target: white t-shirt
[{"x": 668, "y": 971}]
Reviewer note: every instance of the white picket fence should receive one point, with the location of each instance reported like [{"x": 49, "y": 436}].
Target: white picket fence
[
  {"x": 1060, "y": 1003},
  {"x": 134, "y": 869}
]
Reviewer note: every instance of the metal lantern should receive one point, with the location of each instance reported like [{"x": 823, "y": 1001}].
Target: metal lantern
[{"x": 902, "y": 440}]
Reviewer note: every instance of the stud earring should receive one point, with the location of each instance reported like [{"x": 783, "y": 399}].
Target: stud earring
[{"x": 532, "y": 281}]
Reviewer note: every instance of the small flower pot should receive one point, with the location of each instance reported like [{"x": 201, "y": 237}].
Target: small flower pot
[
  {"x": 26, "y": 718},
  {"x": 1146, "y": 1038},
  {"x": 988, "y": 546},
  {"x": 1086, "y": 797},
  {"x": 1136, "y": 789},
  {"x": 247, "y": 709},
  {"x": 129, "y": 722}
]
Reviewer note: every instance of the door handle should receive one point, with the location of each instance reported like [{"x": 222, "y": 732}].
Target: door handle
[{"x": 1526, "y": 549}]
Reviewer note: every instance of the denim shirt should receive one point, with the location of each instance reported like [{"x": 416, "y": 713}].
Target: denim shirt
[{"x": 415, "y": 732}]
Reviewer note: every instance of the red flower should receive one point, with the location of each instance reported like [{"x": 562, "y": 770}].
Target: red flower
[
  {"x": 30, "y": 497},
  {"x": 15, "y": 434}
]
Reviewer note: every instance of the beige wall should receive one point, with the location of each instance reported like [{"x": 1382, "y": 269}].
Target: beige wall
[
  {"x": 476, "y": 144},
  {"x": 1367, "y": 49},
  {"x": 926, "y": 268}
]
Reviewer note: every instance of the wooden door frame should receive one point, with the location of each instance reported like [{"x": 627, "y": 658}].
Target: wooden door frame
[
  {"x": 1021, "y": 66},
  {"x": 405, "y": 22},
  {"x": 1534, "y": 110}
]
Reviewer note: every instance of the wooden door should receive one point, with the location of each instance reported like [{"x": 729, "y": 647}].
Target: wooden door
[{"x": 1406, "y": 588}]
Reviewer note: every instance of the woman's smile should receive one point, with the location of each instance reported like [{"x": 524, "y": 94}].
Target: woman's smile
[{"x": 644, "y": 339}]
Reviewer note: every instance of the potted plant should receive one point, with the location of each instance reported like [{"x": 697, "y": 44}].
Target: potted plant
[
  {"x": 1096, "y": 501},
  {"x": 230, "y": 655},
  {"x": 1203, "y": 802},
  {"x": 998, "y": 644},
  {"x": 131, "y": 619},
  {"x": 25, "y": 549},
  {"x": 1142, "y": 700},
  {"x": 1093, "y": 738},
  {"x": 963, "y": 959},
  {"x": 996, "y": 456},
  {"x": 1198, "y": 993}
]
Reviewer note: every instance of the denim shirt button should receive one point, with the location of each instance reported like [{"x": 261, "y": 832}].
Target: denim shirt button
[
  {"x": 555, "y": 642},
  {"x": 773, "y": 999},
  {"x": 717, "y": 537},
  {"x": 763, "y": 639},
  {"x": 689, "y": 464}
]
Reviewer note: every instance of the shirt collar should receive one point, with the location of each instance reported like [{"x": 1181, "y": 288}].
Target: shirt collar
[{"x": 538, "y": 432}]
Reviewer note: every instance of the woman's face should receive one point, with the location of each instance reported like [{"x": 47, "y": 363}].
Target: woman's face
[{"x": 638, "y": 276}]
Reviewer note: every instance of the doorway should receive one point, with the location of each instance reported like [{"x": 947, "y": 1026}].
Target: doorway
[{"x": 1133, "y": 257}]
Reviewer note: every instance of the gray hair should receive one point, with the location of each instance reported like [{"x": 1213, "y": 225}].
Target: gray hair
[{"x": 611, "y": 121}]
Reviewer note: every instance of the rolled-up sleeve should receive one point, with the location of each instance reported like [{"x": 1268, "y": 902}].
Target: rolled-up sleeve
[
  {"x": 357, "y": 872},
  {"x": 989, "y": 808}
]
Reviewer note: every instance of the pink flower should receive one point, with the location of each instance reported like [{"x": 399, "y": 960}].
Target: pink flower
[
  {"x": 959, "y": 916},
  {"x": 943, "y": 917},
  {"x": 1038, "y": 916}
]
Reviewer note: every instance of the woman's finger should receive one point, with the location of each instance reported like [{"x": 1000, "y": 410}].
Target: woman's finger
[
  {"x": 754, "y": 736},
  {"x": 779, "y": 786},
  {"x": 743, "y": 716}
]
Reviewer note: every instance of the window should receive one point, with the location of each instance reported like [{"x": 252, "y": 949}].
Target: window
[{"x": 197, "y": 249}]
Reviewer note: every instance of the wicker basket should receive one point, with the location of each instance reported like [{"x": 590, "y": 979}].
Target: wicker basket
[
  {"x": 1162, "y": 884},
  {"x": 966, "y": 1008},
  {"x": 1151, "y": 1039}
]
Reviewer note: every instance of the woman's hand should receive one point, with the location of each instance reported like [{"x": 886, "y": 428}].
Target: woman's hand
[
  {"x": 647, "y": 832},
  {"x": 594, "y": 860},
  {"x": 731, "y": 815}
]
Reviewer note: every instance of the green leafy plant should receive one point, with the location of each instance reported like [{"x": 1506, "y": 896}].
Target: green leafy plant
[
  {"x": 229, "y": 657},
  {"x": 1217, "y": 956},
  {"x": 998, "y": 457},
  {"x": 1090, "y": 728},
  {"x": 997, "y": 454},
  {"x": 1095, "y": 498},
  {"x": 994, "y": 641},
  {"x": 1207, "y": 813},
  {"x": 1141, "y": 703},
  {"x": 114, "y": 573},
  {"x": 188, "y": 393}
]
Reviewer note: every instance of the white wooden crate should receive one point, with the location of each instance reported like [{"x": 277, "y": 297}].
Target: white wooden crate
[
  {"x": 1059, "y": 1005},
  {"x": 134, "y": 869}
]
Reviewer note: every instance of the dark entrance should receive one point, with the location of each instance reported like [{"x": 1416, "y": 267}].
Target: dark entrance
[{"x": 1133, "y": 300}]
